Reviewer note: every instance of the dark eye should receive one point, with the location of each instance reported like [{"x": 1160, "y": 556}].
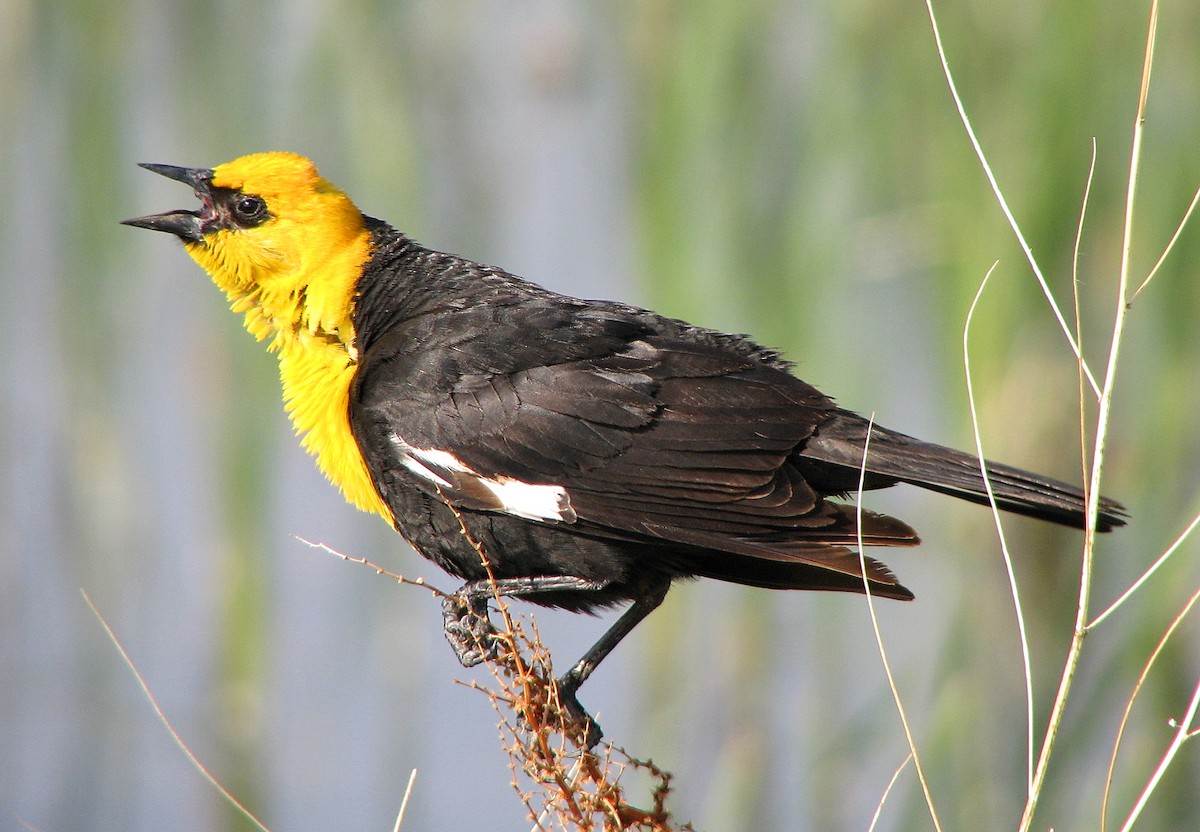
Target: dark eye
[{"x": 250, "y": 210}]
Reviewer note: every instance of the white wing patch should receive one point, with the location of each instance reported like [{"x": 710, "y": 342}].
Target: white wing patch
[
  {"x": 533, "y": 502},
  {"x": 417, "y": 460},
  {"x": 451, "y": 475}
]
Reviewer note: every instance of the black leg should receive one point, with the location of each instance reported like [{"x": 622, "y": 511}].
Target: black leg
[
  {"x": 516, "y": 587},
  {"x": 569, "y": 682}
]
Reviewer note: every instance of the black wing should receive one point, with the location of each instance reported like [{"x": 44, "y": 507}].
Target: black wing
[
  {"x": 613, "y": 422},
  {"x": 660, "y": 437}
]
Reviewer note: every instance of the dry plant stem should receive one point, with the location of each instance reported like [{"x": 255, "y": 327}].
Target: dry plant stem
[
  {"x": 1012, "y": 222},
  {"x": 162, "y": 717},
  {"x": 1022, "y": 631},
  {"x": 542, "y": 760},
  {"x": 379, "y": 570},
  {"x": 1170, "y": 245},
  {"x": 887, "y": 666},
  {"x": 521, "y": 673},
  {"x": 548, "y": 810},
  {"x": 1183, "y": 730},
  {"x": 26, "y": 824},
  {"x": 412, "y": 778},
  {"x": 1137, "y": 688},
  {"x": 1071, "y": 664},
  {"x": 575, "y": 796},
  {"x": 592, "y": 783},
  {"x": 1136, "y": 585},
  {"x": 1083, "y": 410},
  {"x": 888, "y": 790}
]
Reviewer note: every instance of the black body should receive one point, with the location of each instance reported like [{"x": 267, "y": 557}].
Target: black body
[
  {"x": 682, "y": 451},
  {"x": 685, "y": 451}
]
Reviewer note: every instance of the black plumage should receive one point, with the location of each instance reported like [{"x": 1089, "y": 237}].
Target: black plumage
[{"x": 656, "y": 450}]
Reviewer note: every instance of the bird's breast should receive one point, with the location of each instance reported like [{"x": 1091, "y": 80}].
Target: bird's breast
[{"x": 317, "y": 373}]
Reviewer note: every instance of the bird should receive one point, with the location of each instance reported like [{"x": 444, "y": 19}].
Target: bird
[{"x": 592, "y": 452}]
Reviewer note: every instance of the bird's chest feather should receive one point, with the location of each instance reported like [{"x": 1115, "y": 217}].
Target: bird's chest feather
[{"x": 316, "y": 375}]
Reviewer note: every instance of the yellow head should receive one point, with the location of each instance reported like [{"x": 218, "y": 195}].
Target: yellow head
[
  {"x": 287, "y": 248},
  {"x": 284, "y": 244}
]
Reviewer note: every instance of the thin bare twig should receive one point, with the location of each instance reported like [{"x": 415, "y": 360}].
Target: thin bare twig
[
  {"x": 546, "y": 738},
  {"x": 1183, "y": 731},
  {"x": 887, "y": 666},
  {"x": 1154, "y": 567},
  {"x": 1170, "y": 245},
  {"x": 412, "y": 778},
  {"x": 28, "y": 826},
  {"x": 1022, "y": 631},
  {"x": 1008, "y": 215},
  {"x": 1137, "y": 688},
  {"x": 162, "y": 717},
  {"x": 888, "y": 790},
  {"x": 1071, "y": 664},
  {"x": 577, "y": 788},
  {"x": 379, "y": 570},
  {"x": 1075, "y": 249}
]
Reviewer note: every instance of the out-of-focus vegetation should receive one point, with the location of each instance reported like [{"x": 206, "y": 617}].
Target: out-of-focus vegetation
[{"x": 793, "y": 169}]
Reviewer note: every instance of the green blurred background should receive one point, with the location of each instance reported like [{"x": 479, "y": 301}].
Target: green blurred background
[{"x": 793, "y": 169}]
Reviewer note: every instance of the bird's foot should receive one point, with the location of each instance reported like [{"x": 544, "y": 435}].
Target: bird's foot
[
  {"x": 469, "y": 630},
  {"x": 567, "y": 685}
]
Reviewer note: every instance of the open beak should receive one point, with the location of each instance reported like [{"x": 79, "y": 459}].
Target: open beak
[{"x": 186, "y": 225}]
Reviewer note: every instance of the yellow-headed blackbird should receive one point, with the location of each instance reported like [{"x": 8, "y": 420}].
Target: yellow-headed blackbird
[{"x": 594, "y": 451}]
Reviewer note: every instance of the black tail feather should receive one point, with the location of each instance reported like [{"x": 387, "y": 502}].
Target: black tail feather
[{"x": 834, "y": 455}]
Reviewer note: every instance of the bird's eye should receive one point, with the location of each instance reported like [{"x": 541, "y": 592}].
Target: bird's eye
[{"x": 250, "y": 210}]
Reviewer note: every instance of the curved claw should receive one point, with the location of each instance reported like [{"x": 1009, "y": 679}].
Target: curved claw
[
  {"x": 567, "y": 685},
  {"x": 471, "y": 634}
]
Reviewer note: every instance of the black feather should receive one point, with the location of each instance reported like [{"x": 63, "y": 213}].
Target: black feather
[
  {"x": 682, "y": 451},
  {"x": 650, "y": 450}
]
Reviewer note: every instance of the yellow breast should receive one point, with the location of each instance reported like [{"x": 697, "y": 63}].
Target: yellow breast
[{"x": 316, "y": 376}]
